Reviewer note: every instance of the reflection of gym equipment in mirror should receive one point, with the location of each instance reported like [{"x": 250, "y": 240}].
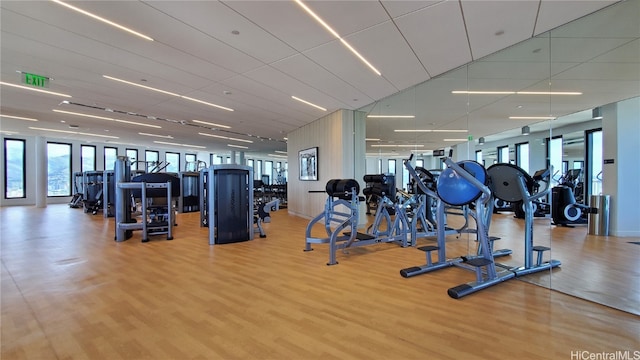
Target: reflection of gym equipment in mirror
[
  {"x": 567, "y": 200},
  {"x": 465, "y": 183}
]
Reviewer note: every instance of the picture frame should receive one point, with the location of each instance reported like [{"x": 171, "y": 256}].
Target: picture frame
[{"x": 308, "y": 163}]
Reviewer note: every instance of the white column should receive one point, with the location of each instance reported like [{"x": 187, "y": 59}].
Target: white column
[
  {"x": 241, "y": 158},
  {"x": 621, "y": 130},
  {"x": 233, "y": 157},
  {"x": 41, "y": 172}
]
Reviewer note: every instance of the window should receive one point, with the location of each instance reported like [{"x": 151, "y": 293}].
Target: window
[
  {"x": 503, "y": 154},
  {"x": 379, "y": 166},
  {"x": 250, "y": 162},
  {"x": 87, "y": 158},
  {"x": 522, "y": 156},
  {"x": 554, "y": 156},
  {"x": 420, "y": 163},
  {"x": 392, "y": 166},
  {"x": 405, "y": 177},
  {"x": 132, "y": 154},
  {"x": 110, "y": 156},
  {"x": 151, "y": 158},
  {"x": 268, "y": 170},
  {"x": 15, "y": 168},
  {"x": 190, "y": 162},
  {"x": 173, "y": 162},
  {"x": 257, "y": 170},
  {"x": 479, "y": 158},
  {"x": 58, "y": 169}
]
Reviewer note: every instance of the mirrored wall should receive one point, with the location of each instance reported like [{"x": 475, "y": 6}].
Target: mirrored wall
[{"x": 536, "y": 105}]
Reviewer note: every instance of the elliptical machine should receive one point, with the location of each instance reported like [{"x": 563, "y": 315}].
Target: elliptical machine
[{"x": 566, "y": 210}]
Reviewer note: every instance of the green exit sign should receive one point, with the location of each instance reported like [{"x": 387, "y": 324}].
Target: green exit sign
[{"x": 35, "y": 80}]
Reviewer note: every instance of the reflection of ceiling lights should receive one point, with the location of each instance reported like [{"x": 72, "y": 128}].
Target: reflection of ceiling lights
[
  {"x": 532, "y": 117},
  {"x": 391, "y": 116},
  {"x": 372, "y": 139},
  {"x": 480, "y": 92},
  {"x": 276, "y": 155},
  {"x": 103, "y": 20},
  {"x": 34, "y": 89},
  {"x": 435, "y": 131},
  {"x": 334, "y": 33},
  {"x": 395, "y": 145},
  {"x": 308, "y": 103},
  {"x": 455, "y": 140},
  {"x": 17, "y": 117}
]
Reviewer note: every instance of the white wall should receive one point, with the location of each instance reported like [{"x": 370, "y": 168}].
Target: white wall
[
  {"x": 339, "y": 137},
  {"x": 621, "y": 131}
]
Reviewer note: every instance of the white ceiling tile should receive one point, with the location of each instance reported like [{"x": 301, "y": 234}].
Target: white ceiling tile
[
  {"x": 484, "y": 19},
  {"x": 438, "y": 37},
  {"x": 554, "y": 13}
]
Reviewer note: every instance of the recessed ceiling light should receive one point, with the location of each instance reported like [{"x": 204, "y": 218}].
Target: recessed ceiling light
[
  {"x": 532, "y": 117},
  {"x": 499, "y": 33},
  {"x": 235, "y": 32},
  {"x": 211, "y": 124}
]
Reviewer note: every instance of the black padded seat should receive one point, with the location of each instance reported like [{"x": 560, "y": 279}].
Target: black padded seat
[{"x": 157, "y": 178}]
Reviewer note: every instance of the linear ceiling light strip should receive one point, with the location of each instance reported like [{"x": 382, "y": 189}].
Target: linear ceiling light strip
[
  {"x": 34, "y": 89},
  {"x": 334, "y": 33},
  {"x": 99, "y": 18}
]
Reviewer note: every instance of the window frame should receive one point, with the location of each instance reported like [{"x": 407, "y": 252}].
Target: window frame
[
  {"x": 70, "y": 169},
  {"x": 82, "y": 157},
  {"x": 24, "y": 169},
  {"x": 104, "y": 157}
]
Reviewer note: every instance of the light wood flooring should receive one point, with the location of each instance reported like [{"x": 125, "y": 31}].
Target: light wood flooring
[{"x": 70, "y": 292}]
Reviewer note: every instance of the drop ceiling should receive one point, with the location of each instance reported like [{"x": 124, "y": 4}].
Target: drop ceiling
[{"x": 253, "y": 56}]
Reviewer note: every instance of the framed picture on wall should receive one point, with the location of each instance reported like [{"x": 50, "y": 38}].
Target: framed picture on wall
[{"x": 308, "y": 161}]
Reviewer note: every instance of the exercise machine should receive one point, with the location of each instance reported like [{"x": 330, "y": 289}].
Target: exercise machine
[
  {"x": 566, "y": 206},
  {"x": 541, "y": 208},
  {"x": 155, "y": 191},
  {"x": 457, "y": 195},
  {"x": 189, "y": 199},
  {"x": 226, "y": 203}
]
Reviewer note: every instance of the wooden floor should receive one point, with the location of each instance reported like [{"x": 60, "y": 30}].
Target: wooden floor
[{"x": 70, "y": 292}]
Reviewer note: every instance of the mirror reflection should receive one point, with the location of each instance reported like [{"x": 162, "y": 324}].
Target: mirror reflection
[{"x": 557, "y": 102}]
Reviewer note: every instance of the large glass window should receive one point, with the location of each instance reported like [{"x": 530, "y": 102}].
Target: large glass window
[
  {"x": 503, "y": 154},
  {"x": 379, "y": 166},
  {"x": 479, "y": 158},
  {"x": 132, "y": 154},
  {"x": 420, "y": 163},
  {"x": 58, "y": 169},
  {"x": 257, "y": 170},
  {"x": 14, "y": 168},
  {"x": 151, "y": 158},
  {"x": 190, "y": 162},
  {"x": 173, "y": 162},
  {"x": 268, "y": 170},
  {"x": 391, "y": 166},
  {"x": 554, "y": 154},
  {"x": 110, "y": 156},
  {"x": 87, "y": 158},
  {"x": 522, "y": 156},
  {"x": 593, "y": 175}
]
